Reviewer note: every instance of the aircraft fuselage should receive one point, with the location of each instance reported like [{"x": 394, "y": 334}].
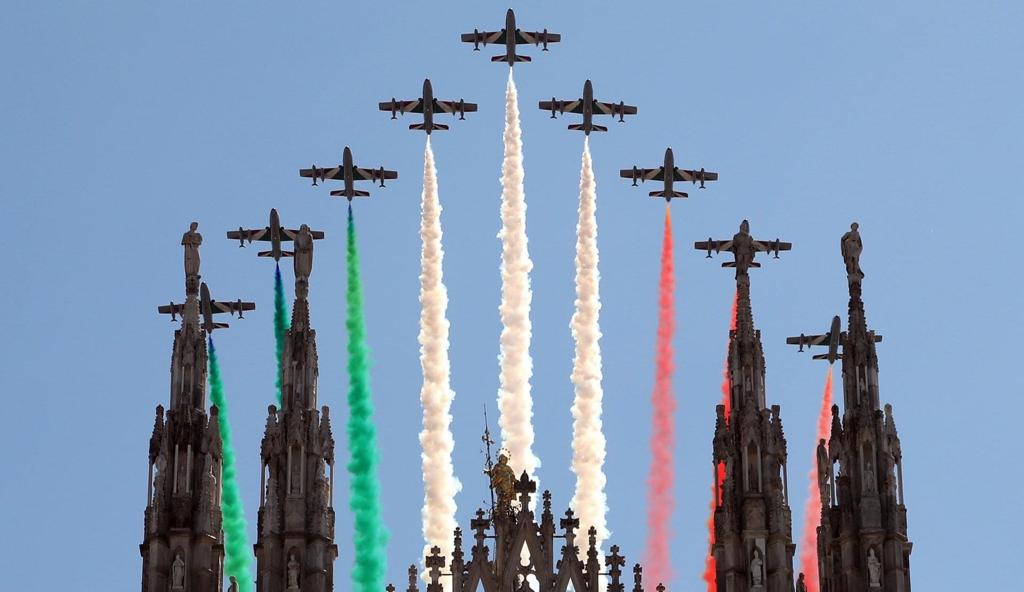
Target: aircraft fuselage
[
  {"x": 670, "y": 173},
  {"x": 510, "y": 37},
  {"x": 588, "y": 107},
  {"x": 346, "y": 161},
  {"x": 428, "y": 106},
  {"x": 275, "y": 235}
]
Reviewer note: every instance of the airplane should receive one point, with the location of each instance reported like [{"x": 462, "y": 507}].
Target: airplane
[
  {"x": 208, "y": 308},
  {"x": 659, "y": 174},
  {"x": 743, "y": 257},
  {"x": 348, "y": 173},
  {"x": 588, "y": 107},
  {"x": 510, "y": 36},
  {"x": 274, "y": 233},
  {"x": 833, "y": 339},
  {"x": 428, "y": 106}
]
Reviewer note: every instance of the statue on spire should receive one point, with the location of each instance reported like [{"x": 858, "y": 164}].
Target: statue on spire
[
  {"x": 851, "y": 247},
  {"x": 191, "y": 241}
]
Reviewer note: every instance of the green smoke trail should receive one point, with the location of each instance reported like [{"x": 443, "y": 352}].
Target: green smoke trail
[
  {"x": 239, "y": 552},
  {"x": 280, "y": 325},
  {"x": 370, "y": 536}
]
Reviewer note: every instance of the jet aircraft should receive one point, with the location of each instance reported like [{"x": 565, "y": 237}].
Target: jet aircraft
[
  {"x": 669, "y": 174},
  {"x": 209, "y": 307},
  {"x": 428, "y": 106},
  {"x": 743, "y": 247},
  {"x": 274, "y": 233},
  {"x": 510, "y": 37},
  {"x": 588, "y": 107},
  {"x": 348, "y": 173},
  {"x": 833, "y": 339}
]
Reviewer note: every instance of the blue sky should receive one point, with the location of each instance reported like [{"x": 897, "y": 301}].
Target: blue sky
[{"x": 124, "y": 121}]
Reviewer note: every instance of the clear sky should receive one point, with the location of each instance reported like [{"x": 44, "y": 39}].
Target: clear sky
[{"x": 121, "y": 122}]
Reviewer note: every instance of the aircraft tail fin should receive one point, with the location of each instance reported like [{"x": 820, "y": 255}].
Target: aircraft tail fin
[
  {"x": 423, "y": 126},
  {"x": 504, "y": 58},
  {"x": 733, "y": 264},
  {"x": 357, "y": 193},
  {"x": 581, "y": 128},
  {"x": 271, "y": 254},
  {"x": 669, "y": 194},
  {"x": 825, "y": 356}
]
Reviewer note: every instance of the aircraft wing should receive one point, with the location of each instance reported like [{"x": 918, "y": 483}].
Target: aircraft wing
[
  {"x": 614, "y": 108},
  {"x": 694, "y": 176},
  {"x": 563, "y": 106},
  {"x": 809, "y": 340},
  {"x": 453, "y": 107},
  {"x": 291, "y": 233},
  {"x": 484, "y": 37},
  {"x": 332, "y": 173},
  {"x": 250, "y": 235},
  {"x": 537, "y": 37},
  {"x": 657, "y": 174},
  {"x": 774, "y": 245},
  {"x": 414, "y": 106},
  {"x": 714, "y": 245},
  {"x": 230, "y": 307},
  {"x": 374, "y": 174},
  {"x": 171, "y": 309}
]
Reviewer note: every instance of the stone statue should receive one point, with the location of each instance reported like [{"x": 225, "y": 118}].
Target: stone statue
[
  {"x": 756, "y": 571},
  {"x": 178, "y": 573},
  {"x": 852, "y": 246},
  {"x": 869, "y": 476},
  {"x": 503, "y": 479},
  {"x": 293, "y": 572},
  {"x": 233, "y": 586},
  {"x": 800, "y": 585},
  {"x": 191, "y": 241},
  {"x": 303, "y": 253},
  {"x": 874, "y": 569},
  {"x": 743, "y": 249}
]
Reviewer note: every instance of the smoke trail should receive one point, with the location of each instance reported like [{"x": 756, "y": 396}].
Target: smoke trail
[
  {"x": 280, "y": 325},
  {"x": 659, "y": 481},
  {"x": 716, "y": 486},
  {"x": 514, "y": 400},
  {"x": 370, "y": 536},
  {"x": 439, "y": 481},
  {"x": 588, "y": 443},
  {"x": 812, "y": 511},
  {"x": 238, "y": 550}
]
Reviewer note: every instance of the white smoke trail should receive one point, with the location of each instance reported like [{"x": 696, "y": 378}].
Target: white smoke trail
[
  {"x": 514, "y": 399},
  {"x": 439, "y": 481},
  {"x": 588, "y": 443}
]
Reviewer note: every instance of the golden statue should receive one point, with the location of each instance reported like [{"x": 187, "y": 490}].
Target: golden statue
[{"x": 503, "y": 479}]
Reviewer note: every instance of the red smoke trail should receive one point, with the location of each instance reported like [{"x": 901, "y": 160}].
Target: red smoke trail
[
  {"x": 716, "y": 487},
  {"x": 812, "y": 511},
  {"x": 659, "y": 480}
]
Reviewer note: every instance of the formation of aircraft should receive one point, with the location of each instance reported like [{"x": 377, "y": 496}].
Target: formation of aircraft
[
  {"x": 669, "y": 174},
  {"x": 208, "y": 308},
  {"x": 428, "y": 106},
  {"x": 275, "y": 234},
  {"x": 349, "y": 174},
  {"x": 510, "y": 37},
  {"x": 588, "y": 107}
]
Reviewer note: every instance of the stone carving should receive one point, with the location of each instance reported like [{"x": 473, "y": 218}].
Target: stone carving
[
  {"x": 503, "y": 480},
  {"x": 852, "y": 246},
  {"x": 191, "y": 241},
  {"x": 743, "y": 248},
  {"x": 874, "y": 570},
  {"x": 178, "y": 573},
  {"x": 756, "y": 568},
  {"x": 303, "y": 253},
  {"x": 293, "y": 572},
  {"x": 800, "y": 585},
  {"x": 233, "y": 586}
]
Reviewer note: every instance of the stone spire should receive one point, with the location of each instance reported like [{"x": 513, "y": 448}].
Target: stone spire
[
  {"x": 183, "y": 543},
  {"x": 753, "y": 526},
  {"x": 862, "y": 540},
  {"x": 295, "y": 548}
]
